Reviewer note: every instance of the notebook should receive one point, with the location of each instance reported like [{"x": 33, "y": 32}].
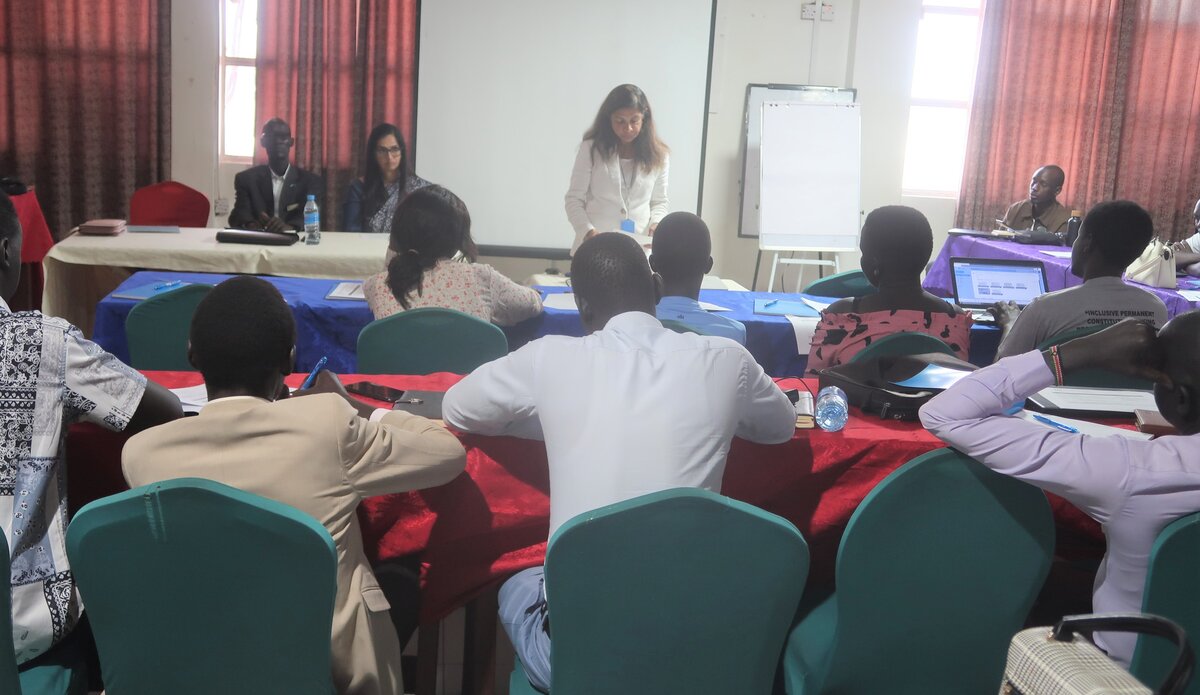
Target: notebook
[
  {"x": 347, "y": 290},
  {"x": 981, "y": 282},
  {"x": 102, "y": 227},
  {"x": 146, "y": 291},
  {"x": 784, "y": 307}
]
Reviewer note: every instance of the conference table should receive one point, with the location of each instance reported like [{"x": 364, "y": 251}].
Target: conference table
[
  {"x": 493, "y": 520},
  {"x": 330, "y": 327},
  {"x": 80, "y": 270},
  {"x": 1058, "y": 270}
]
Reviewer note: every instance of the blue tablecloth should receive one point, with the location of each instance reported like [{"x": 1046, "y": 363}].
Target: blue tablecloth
[{"x": 330, "y": 327}]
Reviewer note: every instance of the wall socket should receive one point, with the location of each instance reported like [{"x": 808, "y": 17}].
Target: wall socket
[
  {"x": 827, "y": 12},
  {"x": 221, "y": 206},
  {"x": 808, "y": 12}
]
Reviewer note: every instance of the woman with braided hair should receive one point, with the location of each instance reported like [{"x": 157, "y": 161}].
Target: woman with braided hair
[{"x": 431, "y": 263}]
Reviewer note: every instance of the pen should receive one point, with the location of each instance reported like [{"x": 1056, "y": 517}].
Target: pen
[
  {"x": 312, "y": 376},
  {"x": 773, "y": 302},
  {"x": 1055, "y": 425},
  {"x": 165, "y": 285}
]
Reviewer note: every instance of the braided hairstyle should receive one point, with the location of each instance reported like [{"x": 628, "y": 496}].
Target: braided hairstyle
[{"x": 430, "y": 224}]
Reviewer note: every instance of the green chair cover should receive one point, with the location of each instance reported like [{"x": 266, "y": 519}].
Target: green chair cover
[
  {"x": 851, "y": 283},
  {"x": 192, "y": 586},
  {"x": 157, "y": 329},
  {"x": 1172, "y": 591},
  {"x": 681, "y": 591},
  {"x": 936, "y": 571},
  {"x": 902, "y": 344},
  {"x": 1097, "y": 378},
  {"x": 424, "y": 341}
]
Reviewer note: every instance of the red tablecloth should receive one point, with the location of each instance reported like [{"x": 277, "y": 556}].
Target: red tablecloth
[{"x": 494, "y": 520}]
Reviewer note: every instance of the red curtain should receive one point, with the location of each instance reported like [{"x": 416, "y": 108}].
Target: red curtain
[
  {"x": 333, "y": 69},
  {"x": 85, "y": 102},
  {"x": 1107, "y": 89}
]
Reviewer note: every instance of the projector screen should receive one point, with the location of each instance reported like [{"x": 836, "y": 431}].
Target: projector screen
[{"x": 505, "y": 91}]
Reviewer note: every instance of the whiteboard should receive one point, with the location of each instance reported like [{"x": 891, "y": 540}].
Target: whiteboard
[
  {"x": 810, "y": 184},
  {"x": 756, "y": 95},
  {"x": 507, "y": 89}
]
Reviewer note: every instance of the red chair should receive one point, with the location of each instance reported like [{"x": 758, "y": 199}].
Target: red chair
[{"x": 169, "y": 203}]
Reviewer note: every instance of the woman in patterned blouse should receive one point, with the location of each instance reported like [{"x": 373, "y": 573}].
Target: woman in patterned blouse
[
  {"x": 431, "y": 263},
  {"x": 896, "y": 243},
  {"x": 371, "y": 201}
]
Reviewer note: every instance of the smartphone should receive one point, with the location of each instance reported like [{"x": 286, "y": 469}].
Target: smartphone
[
  {"x": 793, "y": 395},
  {"x": 378, "y": 392}
]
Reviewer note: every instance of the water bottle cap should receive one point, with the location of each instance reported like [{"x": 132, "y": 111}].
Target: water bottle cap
[
  {"x": 1077, "y": 213},
  {"x": 312, "y": 197}
]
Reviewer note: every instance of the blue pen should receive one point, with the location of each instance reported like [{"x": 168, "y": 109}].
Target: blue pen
[
  {"x": 1055, "y": 425},
  {"x": 165, "y": 285},
  {"x": 312, "y": 376},
  {"x": 773, "y": 302}
]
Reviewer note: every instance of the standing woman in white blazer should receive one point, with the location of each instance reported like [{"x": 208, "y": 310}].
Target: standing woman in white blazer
[{"x": 619, "y": 181}]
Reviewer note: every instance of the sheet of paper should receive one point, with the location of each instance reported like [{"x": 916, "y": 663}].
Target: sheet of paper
[
  {"x": 192, "y": 398},
  {"x": 933, "y": 377},
  {"x": 347, "y": 290},
  {"x": 713, "y": 307},
  {"x": 1106, "y": 400},
  {"x": 803, "y": 327},
  {"x": 1190, "y": 295},
  {"x": 1085, "y": 427},
  {"x": 784, "y": 307},
  {"x": 1057, "y": 254},
  {"x": 712, "y": 282},
  {"x": 562, "y": 301},
  {"x": 819, "y": 306}
]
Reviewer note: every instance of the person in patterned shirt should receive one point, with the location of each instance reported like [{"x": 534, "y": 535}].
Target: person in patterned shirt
[{"x": 51, "y": 376}]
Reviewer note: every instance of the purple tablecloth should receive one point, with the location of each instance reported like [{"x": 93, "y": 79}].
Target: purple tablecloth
[{"x": 1058, "y": 270}]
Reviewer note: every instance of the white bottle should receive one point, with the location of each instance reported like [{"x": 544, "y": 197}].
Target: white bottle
[{"x": 312, "y": 222}]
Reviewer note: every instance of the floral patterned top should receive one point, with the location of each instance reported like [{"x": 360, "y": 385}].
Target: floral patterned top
[
  {"x": 840, "y": 336},
  {"x": 477, "y": 289}
]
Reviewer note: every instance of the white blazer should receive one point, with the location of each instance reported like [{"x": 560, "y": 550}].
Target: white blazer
[{"x": 594, "y": 199}]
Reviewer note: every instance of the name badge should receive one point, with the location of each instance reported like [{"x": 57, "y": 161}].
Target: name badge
[{"x": 627, "y": 225}]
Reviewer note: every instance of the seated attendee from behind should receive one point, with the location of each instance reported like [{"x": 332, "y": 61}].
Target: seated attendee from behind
[
  {"x": 320, "y": 451},
  {"x": 630, "y": 409},
  {"x": 896, "y": 243},
  {"x": 1187, "y": 252},
  {"x": 51, "y": 376},
  {"x": 372, "y": 199},
  {"x": 681, "y": 256},
  {"x": 271, "y": 196},
  {"x": 1113, "y": 234},
  {"x": 1041, "y": 211},
  {"x": 431, "y": 263},
  {"x": 1132, "y": 487}
]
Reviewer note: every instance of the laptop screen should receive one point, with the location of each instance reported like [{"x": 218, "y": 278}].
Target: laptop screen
[{"x": 983, "y": 282}]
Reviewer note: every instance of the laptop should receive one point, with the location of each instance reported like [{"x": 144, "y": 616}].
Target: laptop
[{"x": 981, "y": 282}]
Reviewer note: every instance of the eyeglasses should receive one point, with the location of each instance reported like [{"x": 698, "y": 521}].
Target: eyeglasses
[{"x": 389, "y": 151}]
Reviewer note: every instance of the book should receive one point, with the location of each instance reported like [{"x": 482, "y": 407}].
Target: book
[
  {"x": 1152, "y": 422},
  {"x": 146, "y": 291},
  {"x": 347, "y": 290},
  {"x": 805, "y": 416},
  {"x": 102, "y": 227}
]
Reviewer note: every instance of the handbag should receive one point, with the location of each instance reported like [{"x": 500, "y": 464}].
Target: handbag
[
  {"x": 1060, "y": 661},
  {"x": 870, "y": 384},
  {"x": 1155, "y": 267}
]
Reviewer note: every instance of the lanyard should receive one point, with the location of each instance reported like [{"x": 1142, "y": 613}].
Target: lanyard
[{"x": 626, "y": 187}]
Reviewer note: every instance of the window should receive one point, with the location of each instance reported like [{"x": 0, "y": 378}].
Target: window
[
  {"x": 239, "y": 48},
  {"x": 943, "y": 82}
]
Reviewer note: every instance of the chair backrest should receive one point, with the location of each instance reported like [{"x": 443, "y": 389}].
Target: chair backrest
[
  {"x": 936, "y": 571},
  {"x": 10, "y": 682},
  {"x": 157, "y": 328},
  {"x": 169, "y": 203},
  {"x": 1172, "y": 591},
  {"x": 428, "y": 340},
  {"x": 192, "y": 586},
  {"x": 851, "y": 283},
  {"x": 679, "y": 326},
  {"x": 907, "y": 343},
  {"x": 1098, "y": 378},
  {"x": 682, "y": 591}
]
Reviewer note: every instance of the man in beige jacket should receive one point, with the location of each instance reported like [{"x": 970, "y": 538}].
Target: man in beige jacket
[{"x": 321, "y": 453}]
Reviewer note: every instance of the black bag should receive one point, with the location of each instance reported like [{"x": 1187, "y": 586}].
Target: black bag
[{"x": 869, "y": 384}]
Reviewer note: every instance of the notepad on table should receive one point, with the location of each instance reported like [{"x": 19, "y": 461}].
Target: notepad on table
[
  {"x": 1057, "y": 254},
  {"x": 347, "y": 290},
  {"x": 152, "y": 228},
  {"x": 1190, "y": 295},
  {"x": 1079, "y": 399},
  {"x": 784, "y": 307},
  {"x": 146, "y": 291}
]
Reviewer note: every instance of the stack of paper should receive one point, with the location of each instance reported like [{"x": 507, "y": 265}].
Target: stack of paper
[
  {"x": 347, "y": 290},
  {"x": 102, "y": 227}
]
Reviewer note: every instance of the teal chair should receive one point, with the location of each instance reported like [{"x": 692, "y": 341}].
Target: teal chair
[
  {"x": 9, "y": 682},
  {"x": 424, "y": 341},
  {"x": 1096, "y": 378},
  {"x": 902, "y": 344},
  {"x": 196, "y": 587},
  {"x": 936, "y": 571},
  {"x": 681, "y": 591},
  {"x": 1172, "y": 591},
  {"x": 157, "y": 329},
  {"x": 679, "y": 326},
  {"x": 851, "y": 283}
]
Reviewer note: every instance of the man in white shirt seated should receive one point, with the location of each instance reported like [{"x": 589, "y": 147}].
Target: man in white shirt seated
[
  {"x": 630, "y": 409},
  {"x": 1187, "y": 252},
  {"x": 1112, "y": 236},
  {"x": 681, "y": 255},
  {"x": 1133, "y": 488}
]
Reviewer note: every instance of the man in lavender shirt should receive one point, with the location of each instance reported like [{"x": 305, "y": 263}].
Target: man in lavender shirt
[{"x": 1134, "y": 488}]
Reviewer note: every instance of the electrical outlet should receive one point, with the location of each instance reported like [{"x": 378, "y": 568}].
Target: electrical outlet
[
  {"x": 808, "y": 12},
  {"x": 221, "y": 206},
  {"x": 827, "y": 12}
]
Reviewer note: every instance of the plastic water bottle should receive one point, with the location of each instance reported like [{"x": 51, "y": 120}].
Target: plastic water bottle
[
  {"x": 832, "y": 410},
  {"x": 312, "y": 222}
]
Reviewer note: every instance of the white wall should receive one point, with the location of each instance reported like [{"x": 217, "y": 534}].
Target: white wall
[{"x": 870, "y": 45}]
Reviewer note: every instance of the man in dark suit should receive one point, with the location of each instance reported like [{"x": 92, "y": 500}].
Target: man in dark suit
[{"x": 271, "y": 196}]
